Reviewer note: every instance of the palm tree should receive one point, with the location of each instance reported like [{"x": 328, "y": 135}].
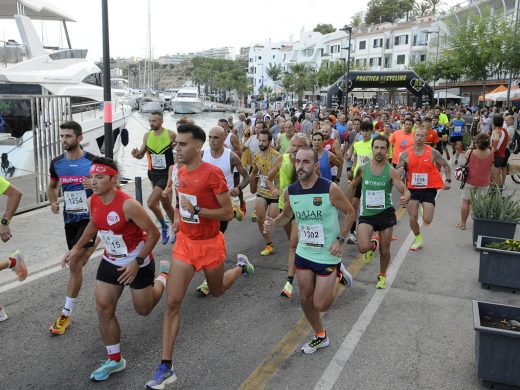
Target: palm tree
[
  {"x": 274, "y": 71},
  {"x": 422, "y": 9},
  {"x": 300, "y": 74},
  {"x": 434, "y": 4},
  {"x": 356, "y": 21}
]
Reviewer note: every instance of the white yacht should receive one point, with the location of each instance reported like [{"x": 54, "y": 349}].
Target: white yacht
[
  {"x": 187, "y": 101},
  {"x": 41, "y": 87},
  {"x": 150, "y": 103}
]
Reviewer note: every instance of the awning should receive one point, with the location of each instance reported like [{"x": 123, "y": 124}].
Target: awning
[
  {"x": 502, "y": 96},
  {"x": 443, "y": 95}
]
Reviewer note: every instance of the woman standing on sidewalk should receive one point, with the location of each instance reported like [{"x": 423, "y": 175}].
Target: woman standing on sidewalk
[{"x": 479, "y": 165}]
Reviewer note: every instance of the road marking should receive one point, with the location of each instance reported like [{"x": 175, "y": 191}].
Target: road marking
[
  {"x": 261, "y": 376},
  {"x": 41, "y": 273},
  {"x": 337, "y": 364}
]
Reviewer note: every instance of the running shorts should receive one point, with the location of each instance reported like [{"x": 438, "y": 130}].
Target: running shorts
[
  {"x": 319, "y": 269},
  {"x": 269, "y": 201},
  {"x": 426, "y": 195},
  {"x": 382, "y": 221},
  {"x": 456, "y": 138},
  {"x": 158, "y": 180},
  {"x": 73, "y": 232},
  {"x": 108, "y": 273},
  {"x": 201, "y": 254}
]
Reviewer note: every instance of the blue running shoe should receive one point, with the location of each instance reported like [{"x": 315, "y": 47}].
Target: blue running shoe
[
  {"x": 165, "y": 234},
  {"x": 163, "y": 376},
  {"x": 106, "y": 369}
]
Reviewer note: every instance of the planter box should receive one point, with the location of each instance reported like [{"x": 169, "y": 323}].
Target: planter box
[
  {"x": 493, "y": 228},
  {"x": 498, "y": 267},
  {"x": 496, "y": 350}
]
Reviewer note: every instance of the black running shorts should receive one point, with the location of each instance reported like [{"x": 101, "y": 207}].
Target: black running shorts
[
  {"x": 426, "y": 195},
  {"x": 382, "y": 221},
  {"x": 73, "y": 232},
  {"x": 158, "y": 179},
  {"x": 108, "y": 273}
]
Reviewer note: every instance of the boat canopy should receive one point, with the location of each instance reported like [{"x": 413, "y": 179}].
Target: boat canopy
[{"x": 34, "y": 9}]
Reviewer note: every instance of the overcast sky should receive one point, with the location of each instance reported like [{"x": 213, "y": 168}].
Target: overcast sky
[{"x": 188, "y": 26}]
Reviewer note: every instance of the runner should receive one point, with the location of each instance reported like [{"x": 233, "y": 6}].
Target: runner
[
  {"x": 442, "y": 133},
  {"x": 266, "y": 202},
  {"x": 402, "y": 139},
  {"x": 424, "y": 179},
  {"x": 283, "y": 168},
  {"x": 457, "y": 131},
  {"x": 129, "y": 235},
  {"x": 332, "y": 145},
  {"x": 16, "y": 261},
  {"x": 283, "y": 143},
  {"x": 432, "y": 137},
  {"x": 326, "y": 158},
  {"x": 377, "y": 213},
  {"x": 158, "y": 148},
  {"x": 499, "y": 139},
  {"x": 71, "y": 170},
  {"x": 204, "y": 201},
  {"x": 316, "y": 203}
]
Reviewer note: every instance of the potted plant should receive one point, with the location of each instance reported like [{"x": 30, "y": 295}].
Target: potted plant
[
  {"x": 493, "y": 214},
  {"x": 497, "y": 342},
  {"x": 499, "y": 262}
]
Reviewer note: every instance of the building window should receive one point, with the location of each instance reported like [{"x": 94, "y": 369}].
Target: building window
[
  {"x": 375, "y": 61},
  {"x": 362, "y": 45},
  {"x": 378, "y": 42},
  {"x": 308, "y": 52},
  {"x": 250, "y": 60},
  {"x": 400, "y": 59},
  {"x": 423, "y": 57},
  {"x": 401, "y": 40},
  {"x": 334, "y": 49},
  {"x": 387, "y": 44},
  {"x": 387, "y": 62}
]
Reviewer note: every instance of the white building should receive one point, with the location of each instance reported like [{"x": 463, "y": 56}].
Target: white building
[
  {"x": 227, "y": 53},
  {"x": 260, "y": 58}
]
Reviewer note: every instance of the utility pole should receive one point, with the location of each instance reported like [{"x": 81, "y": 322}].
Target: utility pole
[
  {"x": 107, "y": 92},
  {"x": 346, "y": 76}
]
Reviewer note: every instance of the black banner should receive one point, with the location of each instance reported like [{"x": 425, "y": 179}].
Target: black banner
[{"x": 398, "y": 79}]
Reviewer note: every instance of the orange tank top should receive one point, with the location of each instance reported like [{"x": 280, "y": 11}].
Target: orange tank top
[{"x": 422, "y": 172}]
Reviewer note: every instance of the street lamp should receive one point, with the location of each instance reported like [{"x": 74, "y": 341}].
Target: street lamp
[
  {"x": 346, "y": 76},
  {"x": 436, "y": 57}
]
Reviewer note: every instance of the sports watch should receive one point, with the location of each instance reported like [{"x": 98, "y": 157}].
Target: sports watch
[
  {"x": 196, "y": 209},
  {"x": 4, "y": 221},
  {"x": 139, "y": 260},
  {"x": 340, "y": 239}
]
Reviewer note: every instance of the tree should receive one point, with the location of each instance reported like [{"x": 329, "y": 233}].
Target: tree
[
  {"x": 423, "y": 8},
  {"x": 381, "y": 11},
  {"x": 274, "y": 71},
  {"x": 356, "y": 21},
  {"x": 434, "y": 4},
  {"x": 301, "y": 80},
  {"x": 324, "y": 28}
]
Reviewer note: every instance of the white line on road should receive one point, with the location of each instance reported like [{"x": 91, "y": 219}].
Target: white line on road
[{"x": 339, "y": 361}]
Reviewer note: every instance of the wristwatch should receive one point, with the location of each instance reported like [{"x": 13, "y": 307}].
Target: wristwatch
[
  {"x": 448, "y": 180},
  {"x": 340, "y": 239},
  {"x": 139, "y": 260},
  {"x": 196, "y": 209},
  {"x": 5, "y": 221}
]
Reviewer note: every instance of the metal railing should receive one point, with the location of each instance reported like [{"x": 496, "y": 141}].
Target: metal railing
[{"x": 45, "y": 116}]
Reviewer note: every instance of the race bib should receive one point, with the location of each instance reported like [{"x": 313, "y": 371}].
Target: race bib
[
  {"x": 114, "y": 244},
  {"x": 262, "y": 182},
  {"x": 311, "y": 235},
  {"x": 375, "y": 199},
  {"x": 363, "y": 159},
  {"x": 158, "y": 161},
  {"x": 419, "y": 179},
  {"x": 186, "y": 216},
  {"x": 458, "y": 129},
  {"x": 75, "y": 202}
]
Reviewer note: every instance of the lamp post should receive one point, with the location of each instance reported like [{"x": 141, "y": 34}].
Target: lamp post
[
  {"x": 436, "y": 57},
  {"x": 346, "y": 76},
  {"x": 514, "y": 51}
]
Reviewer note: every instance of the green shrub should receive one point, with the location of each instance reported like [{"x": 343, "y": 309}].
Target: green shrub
[{"x": 492, "y": 205}]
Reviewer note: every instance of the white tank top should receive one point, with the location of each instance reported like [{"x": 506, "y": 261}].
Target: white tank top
[
  {"x": 227, "y": 142},
  {"x": 223, "y": 162}
]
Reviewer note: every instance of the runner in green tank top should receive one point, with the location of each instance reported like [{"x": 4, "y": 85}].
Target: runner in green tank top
[
  {"x": 157, "y": 146},
  {"x": 284, "y": 168},
  {"x": 316, "y": 204},
  {"x": 377, "y": 178}
]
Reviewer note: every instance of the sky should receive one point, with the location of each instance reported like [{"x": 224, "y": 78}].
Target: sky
[{"x": 189, "y": 26}]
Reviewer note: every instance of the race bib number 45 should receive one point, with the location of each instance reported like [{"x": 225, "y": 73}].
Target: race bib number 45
[
  {"x": 311, "y": 235},
  {"x": 75, "y": 202}
]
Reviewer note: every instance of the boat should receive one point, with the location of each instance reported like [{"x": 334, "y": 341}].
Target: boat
[
  {"x": 187, "y": 101},
  {"x": 150, "y": 103},
  {"x": 41, "y": 87}
]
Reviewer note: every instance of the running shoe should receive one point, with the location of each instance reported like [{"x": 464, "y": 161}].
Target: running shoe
[
  {"x": 238, "y": 214},
  {"x": 369, "y": 256},
  {"x": 417, "y": 244},
  {"x": 165, "y": 235},
  {"x": 352, "y": 239},
  {"x": 346, "y": 277},
  {"x": 268, "y": 250},
  {"x": 61, "y": 324},
  {"x": 253, "y": 217},
  {"x": 106, "y": 369},
  {"x": 248, "y": 268},
  {"x": 315, "y": 344},
  {"x": 243, "y": 207},
  {"x": 3, "y": 315},
  {"x": 381, "y": 281},
  {"x": 203, "y": 289},
  {"x": 20, "y": 267},
  {"x": 163, "y": 376},
  {"x": 287, "y": 290}
]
